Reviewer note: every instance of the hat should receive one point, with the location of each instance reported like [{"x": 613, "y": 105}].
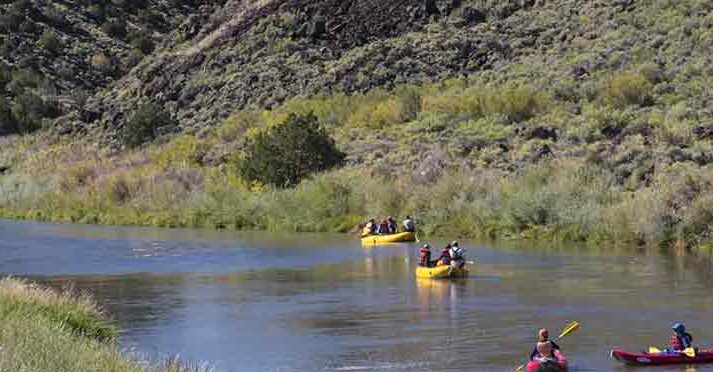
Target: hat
[{"x": 679, "y": 328}]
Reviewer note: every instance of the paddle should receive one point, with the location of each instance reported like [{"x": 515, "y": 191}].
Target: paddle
[
  {"x": 689, "y": 352},
  {"x": 571, "y": 327}
]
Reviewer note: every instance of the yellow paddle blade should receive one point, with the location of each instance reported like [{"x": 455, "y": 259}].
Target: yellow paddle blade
[
  {"x": 519, "y": 369},
  {"x": 571, "y": 327},
  {"x": 654, "y": 350},
  {"x": 689, "y": 352}
]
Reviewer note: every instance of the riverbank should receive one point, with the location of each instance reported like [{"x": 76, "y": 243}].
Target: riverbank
[
  {"x": 45, "y": 330},
  {"x": 554, "y": 200}
]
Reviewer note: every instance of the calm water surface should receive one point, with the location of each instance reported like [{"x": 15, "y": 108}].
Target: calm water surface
[{"x": 266, "y": 302}]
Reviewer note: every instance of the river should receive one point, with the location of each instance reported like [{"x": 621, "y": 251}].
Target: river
[{"x": 321, "y": 302}]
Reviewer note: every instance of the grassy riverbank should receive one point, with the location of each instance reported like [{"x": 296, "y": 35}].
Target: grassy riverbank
[{"x": 44, "y": 330}]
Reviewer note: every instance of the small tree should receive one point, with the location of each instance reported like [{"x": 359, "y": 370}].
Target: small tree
[
  {"x": 146, "y": 124},
  {"x": 289, "y": 152},
  {"x": 50, "y": 42}
]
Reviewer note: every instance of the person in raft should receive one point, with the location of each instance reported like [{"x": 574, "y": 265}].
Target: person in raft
[
  {"x": 680, "y": 339},
  {"x": 457, "y": 255},
  {"x": 384, "y": 227},
  {"x": 371, "y": 227},
  {"x": 424, "y": 256},
  {"x": 409, "y": 225},
  {"x": 543, "y": 340},
  {"x": 445, "y": 258},
  {"x": 392, "y": 225}
]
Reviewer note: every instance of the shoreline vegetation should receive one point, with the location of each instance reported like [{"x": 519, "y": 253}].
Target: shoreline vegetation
[
  {"x": 47, "y": 330},
  {"x": 631, "y": 174},
  {"x": 608, "y": 140}
]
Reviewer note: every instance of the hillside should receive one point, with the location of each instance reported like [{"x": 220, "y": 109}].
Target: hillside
[
  {"x": 556, "y": 119},
  {"x": 55, "y": 54}
]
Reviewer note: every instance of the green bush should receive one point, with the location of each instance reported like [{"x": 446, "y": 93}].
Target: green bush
[
  {"x": 8, "y": 125},
  {"x": 50, "y": 42},
  {"x": 289, "y": 152},
  {"x": 143, "y": 42},
  {"x": 626, "y": 89},
  {"x": 146, "y": 124},
  {"x": 115, "y": 27}
]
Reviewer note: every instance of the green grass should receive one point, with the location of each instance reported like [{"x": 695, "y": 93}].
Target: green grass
[{"x": 45, "y": 330}]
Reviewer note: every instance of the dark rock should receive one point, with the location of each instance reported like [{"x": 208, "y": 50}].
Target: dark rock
[
  {"x": 545, "y": 133},
  {"x": 473, "y": 16},
  {"x": 540, "y": 153},
  {"x": 318, "y": 27},
  {"x": 581, "y": 71},
  {"x": 703, "y": 131},
  {"x": 430, "y": 7},
  {"x": 4, "y": 169}
]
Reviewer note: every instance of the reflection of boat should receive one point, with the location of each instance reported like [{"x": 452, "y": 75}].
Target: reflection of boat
[
  {"x": 401, "y": 237},
  {"x": 657, "y": 359},
  {"x": 441, "y": 272},
  {"x": 548, "y": 365}
]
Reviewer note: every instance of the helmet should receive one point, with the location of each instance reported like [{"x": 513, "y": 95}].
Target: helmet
[
  {"x": 454, "y": 243},
  {"x": 426, "y": 246},
  {"x": 544, "y": 334},
  {"x": 679, "y": 328}
]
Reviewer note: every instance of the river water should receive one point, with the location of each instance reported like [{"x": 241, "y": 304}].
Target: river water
[{"x": 317, "y": 302}]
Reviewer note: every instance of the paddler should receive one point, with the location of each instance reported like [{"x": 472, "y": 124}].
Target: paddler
[
  {"x": 543, "y": 337},
  {"x": 424, "y": 256},
  {"x": 680, "y": 339}
]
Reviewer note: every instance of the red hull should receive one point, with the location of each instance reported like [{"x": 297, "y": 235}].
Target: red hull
[
  {"x": 549, "y": 366},
  {"x": 658, "y": 359}
]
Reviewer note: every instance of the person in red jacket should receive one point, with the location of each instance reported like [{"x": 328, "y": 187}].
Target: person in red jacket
[
  {"x": 445, "y": 258},
  {"x": 424, "y": 256}
]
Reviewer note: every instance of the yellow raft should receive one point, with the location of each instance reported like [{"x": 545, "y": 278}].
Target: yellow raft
[
  {"x": 441, "y": 272},
  {"x": 401, "y": 237}
]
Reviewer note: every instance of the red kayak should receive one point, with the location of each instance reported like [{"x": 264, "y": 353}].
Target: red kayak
[
  {"x": 548, "y": 365},
  {"x": 657, "y": 359}
]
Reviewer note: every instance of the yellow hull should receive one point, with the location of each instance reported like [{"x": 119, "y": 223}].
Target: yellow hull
[
  {"x": 401, "y": 237},
  {"x": 440, "y": 272}
]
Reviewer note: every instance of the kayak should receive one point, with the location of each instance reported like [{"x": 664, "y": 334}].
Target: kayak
[
  {"x": 548, "y": 365},
  {"x": 401, "y": 237},
  {"x": 657, "y": 359},
  {"x": 441, "y": 272}
]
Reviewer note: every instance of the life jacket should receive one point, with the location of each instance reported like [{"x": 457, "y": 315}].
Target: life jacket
[
  {"x": 456, "y": 253},
  {"x": 677, "y": 343},
  {"x": 424, "y": 257},
  {"x": 384, "y": 228},
  {"x": 445, "y": 258}
]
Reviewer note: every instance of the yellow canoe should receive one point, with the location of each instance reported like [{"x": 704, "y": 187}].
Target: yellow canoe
[
  {"x": 401, "y": 237},
  {"x": 441, "y": 272}
]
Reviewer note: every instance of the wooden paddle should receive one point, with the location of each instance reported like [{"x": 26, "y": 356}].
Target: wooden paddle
[{"x": 571, "y": 327}]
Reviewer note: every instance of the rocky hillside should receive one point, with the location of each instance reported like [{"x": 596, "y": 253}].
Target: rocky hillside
[
  {"x": 262, "y": 53},
  {"x": 54, "y": 54}
]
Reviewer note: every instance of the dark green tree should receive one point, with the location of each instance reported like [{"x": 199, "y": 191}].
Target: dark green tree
[
  {"x": 146, "y": 124},
  {"x": 290, "y": 151}
]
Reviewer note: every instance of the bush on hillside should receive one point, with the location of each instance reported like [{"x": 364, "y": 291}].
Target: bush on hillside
[
  {"x": 143, "y": 42},
  {"x": 629, "y": 89},
  {"x": 50, "y": 42},
  {"x": 147, "y": 123},
  {"x": 115, "y": 27},
  {"x": 289, "y": 152},
  {"x": 8, "y": 125}
]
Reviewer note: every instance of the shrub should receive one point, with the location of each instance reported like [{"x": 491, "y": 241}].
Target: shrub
[
  {"x": 290, "y": 151},
  {"x": 146, "y": 124},
  {"x": 143, "y": 42},
  {"x": 115, "y": 27},
  {"x": 629, "y": 89},
  {"x": 8, "y": 125},
  {"x": 50, "y": 42},
  {"x": 102, "y": 63},
  {"x": 28, "y": 111},
  {"x": 409, "y": 104}
]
